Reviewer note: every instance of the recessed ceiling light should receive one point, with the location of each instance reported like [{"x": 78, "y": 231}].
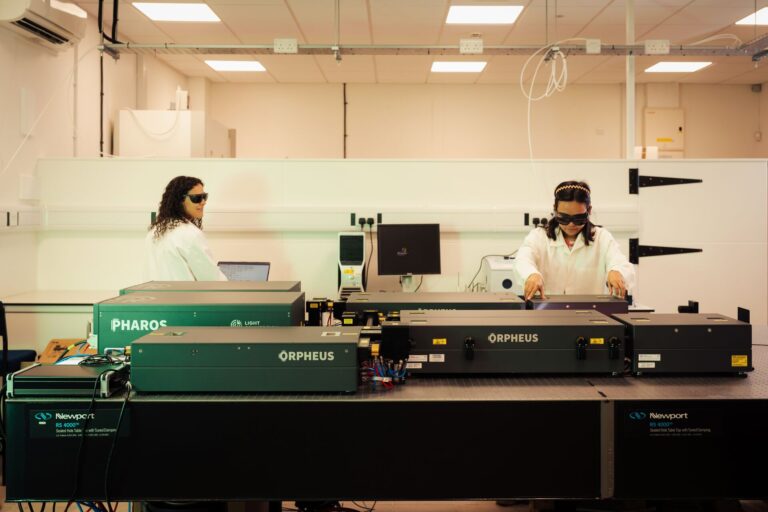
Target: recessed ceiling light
[
  {"x": 458, "y": 67},
  {"x": 69, "y": 8},
  {"x": 483, "y": 14},
  {"x": 236, "y": 65},
  {"x": 676, "y": 67},
  {"x": 756, "y": 18},
  {"x": 177, "y": 12}
]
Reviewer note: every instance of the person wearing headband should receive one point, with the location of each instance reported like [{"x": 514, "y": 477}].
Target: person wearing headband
[
  {"x": 570, "y": 255},
  {"x": 175, "y": 247}
]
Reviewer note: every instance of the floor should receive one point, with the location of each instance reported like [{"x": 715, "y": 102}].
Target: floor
[{"x": 471, "y": 506}]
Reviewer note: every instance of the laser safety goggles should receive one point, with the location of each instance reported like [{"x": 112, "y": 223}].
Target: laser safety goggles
[
  {"x": 578, "y": 220},
  {"x": 197, "y": 198}
]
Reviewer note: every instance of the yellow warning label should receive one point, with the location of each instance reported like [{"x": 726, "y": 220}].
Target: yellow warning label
[
  {"x": 347, "y": 321},
  {"x": 597, "y": 341},
  {"x": 348, "y": 271},
  {"x": 439, "y": 341},
  {"x": 739, "y": 361},
  {"x": 313, "y": 306},
  {"x": 374, "y": 349},
  {"x": 665, "y": 139}
]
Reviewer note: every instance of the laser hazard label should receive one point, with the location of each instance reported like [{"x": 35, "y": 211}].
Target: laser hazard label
[{"x": 739, "y": 361}]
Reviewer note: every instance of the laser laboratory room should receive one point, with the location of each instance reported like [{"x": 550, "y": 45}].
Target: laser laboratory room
[{"x": 384, "y": 255}]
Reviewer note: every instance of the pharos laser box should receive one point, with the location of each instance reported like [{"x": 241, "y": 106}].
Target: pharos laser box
[
  {"x": 120, "y": 320},
  {"x": 214, "y": 286}
]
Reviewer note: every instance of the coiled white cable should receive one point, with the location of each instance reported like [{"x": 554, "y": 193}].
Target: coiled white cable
[{"x": 557, "y": 81}]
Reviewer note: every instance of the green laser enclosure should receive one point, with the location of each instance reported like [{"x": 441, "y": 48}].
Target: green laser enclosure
[
  {"x": 214, "y": 286},
  {"x": 268, "y": 359},
  {"x": 120, "y": 320}
]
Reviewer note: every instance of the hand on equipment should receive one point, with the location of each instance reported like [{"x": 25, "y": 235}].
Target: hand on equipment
[
  {"x": 534, "y": 283},
  {"x": 615, "y": 282}
]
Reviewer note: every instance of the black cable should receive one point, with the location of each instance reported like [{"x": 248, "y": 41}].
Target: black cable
[
  {"x": 31, "y": 508},
  {"x": 420, "y": 282},
  {"x": 21, "y": 509},
  {"x": 101, "y": 99},
  {"x": 114, "y": 443},
  {"x": 78, "y": 457},
  {"x": 53, "y": 505},
  {"x": 114, "y": 21},
  {"x": 370, "y": 255},
  {"x": 98, "y": 360},
  {"x": 42, "y": 509}
]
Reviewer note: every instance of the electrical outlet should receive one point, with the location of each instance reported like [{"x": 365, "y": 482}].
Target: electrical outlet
[
  {"x": 473, "y": 46},
  {"x": 657, "y": 47},
  {"x": 286, "y": 46},
  {"x": 593, "y": 47},
  {"x": 378, "y": 218},
  {"x": 352, "y": 220},
  {"x": 369, "y": 221}
]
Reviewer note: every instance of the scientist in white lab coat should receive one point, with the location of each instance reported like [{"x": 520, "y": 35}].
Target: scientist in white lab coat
[
  {"x": 571, "y": 255},
  {"x": 175, "y": 247}
]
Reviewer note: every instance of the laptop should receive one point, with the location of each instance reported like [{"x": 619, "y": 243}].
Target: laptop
[{"x": 245, "y": 270}]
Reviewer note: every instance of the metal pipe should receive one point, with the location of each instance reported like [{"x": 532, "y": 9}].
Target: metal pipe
[
  {"x": 317, "y": 49},
  {"x": 629, "y": 95}
]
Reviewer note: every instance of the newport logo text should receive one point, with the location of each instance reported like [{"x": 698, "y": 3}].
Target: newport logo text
[
  {"x": 295, "y": 355},
  {"x": 513, "y": 338},
  {"x": 78, "y": 416},
  {"x": 669, "y": 415},
  {"x": 137, "y": 325}
]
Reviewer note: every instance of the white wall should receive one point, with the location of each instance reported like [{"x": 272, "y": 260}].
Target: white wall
[
  {"x": 476, "y": 121},
  {"x": 289, "y": 211},
  {"x": 281, "y": 121}
]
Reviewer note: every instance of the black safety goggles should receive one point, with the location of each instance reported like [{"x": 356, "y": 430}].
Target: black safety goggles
[
  {"x": 578, "y": 220},
  {"x": 197, "y": 198}
]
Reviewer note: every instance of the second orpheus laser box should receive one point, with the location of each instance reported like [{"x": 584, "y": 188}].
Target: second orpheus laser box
[
  {"x": 606, "y": 304},
  {"x": 386, "y": 302},
  {"x": 120, "y": 320},
  {"x": 503, "y": 342},
  {"x": 268, "y": 359}
]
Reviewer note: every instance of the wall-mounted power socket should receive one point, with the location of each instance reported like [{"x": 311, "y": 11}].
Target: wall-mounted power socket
[
  {"x": 593, "y": 47},
  {"x": 472, "y": 46},
  {"x": 657, "y": 47},
  {"x": 286, "y": 46}
]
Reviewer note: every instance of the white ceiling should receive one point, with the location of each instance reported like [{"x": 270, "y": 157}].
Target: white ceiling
[{"x": 422, "y": 22}]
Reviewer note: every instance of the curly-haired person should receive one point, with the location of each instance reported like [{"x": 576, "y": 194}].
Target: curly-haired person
[{"x": 175, "y": 247}]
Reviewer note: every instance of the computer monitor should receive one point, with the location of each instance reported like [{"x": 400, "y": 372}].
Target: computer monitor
[
  {"x": 245, "y": 270},
  {"x": 407, "y": 249}
]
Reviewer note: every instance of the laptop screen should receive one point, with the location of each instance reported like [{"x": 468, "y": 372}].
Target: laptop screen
[{"x": 245, "y": 270}]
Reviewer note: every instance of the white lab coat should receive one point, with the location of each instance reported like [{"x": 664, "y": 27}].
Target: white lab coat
[
  {"x": 181, "y": 254},
  {"x": 583, "y": 269}
]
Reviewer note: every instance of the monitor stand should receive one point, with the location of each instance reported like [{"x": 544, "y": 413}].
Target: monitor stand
[{"x": 408, "y": 283}]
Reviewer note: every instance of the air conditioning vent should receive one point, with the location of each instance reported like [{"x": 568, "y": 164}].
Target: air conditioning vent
[
  {"x": 54, "y": 24},
  {"x": 41, "y": 31}
]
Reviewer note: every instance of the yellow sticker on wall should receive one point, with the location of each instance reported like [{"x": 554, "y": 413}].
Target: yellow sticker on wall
[
  {"x": 597, "y": 341},
  {"x": 348, "y": 321},
  {"x": 739, "y": 361},
  {"x": 439, "y": 341}
]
